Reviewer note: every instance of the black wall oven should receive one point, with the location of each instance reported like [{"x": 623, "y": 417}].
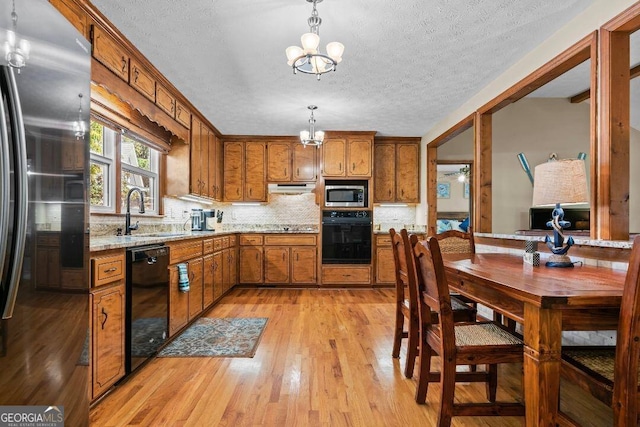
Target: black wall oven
[{"x": 346, "y": 237}]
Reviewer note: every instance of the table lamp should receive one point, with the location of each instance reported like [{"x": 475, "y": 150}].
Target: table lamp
[{"x": 560, "y": 182}]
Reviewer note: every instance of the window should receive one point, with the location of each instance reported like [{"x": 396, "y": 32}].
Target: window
[{"x": 139, "y": 166}]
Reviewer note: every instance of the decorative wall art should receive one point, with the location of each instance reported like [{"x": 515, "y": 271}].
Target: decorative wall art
[
  {"x": 444, "y": 190},
  {"x": 465, "y": 190}
]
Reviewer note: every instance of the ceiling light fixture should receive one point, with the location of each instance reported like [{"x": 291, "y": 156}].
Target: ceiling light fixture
[
  {"x": 308, "y": 59},
  {"x": 17, "y": 50},
  {"x": 311, "y": 136},
  {"x": 79, "y": 126}
]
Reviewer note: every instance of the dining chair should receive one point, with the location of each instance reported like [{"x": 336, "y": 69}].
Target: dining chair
[
  {"x": 459, "y": 242},
  {"x": 407, "y": 302},
  {"x": 611, "y": 373},
  {"x": 472, "y": 343}
]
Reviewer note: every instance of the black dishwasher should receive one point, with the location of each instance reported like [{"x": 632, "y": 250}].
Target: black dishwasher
[{"x": 147, "y": 303}]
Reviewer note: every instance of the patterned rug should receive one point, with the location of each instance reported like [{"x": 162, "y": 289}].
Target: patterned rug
[{"x": 225, "y": 337}]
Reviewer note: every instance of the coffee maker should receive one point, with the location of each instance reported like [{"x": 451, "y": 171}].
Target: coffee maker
[
  {"x": 197, "y": 220},
  {"x": 209, "y": 219}
]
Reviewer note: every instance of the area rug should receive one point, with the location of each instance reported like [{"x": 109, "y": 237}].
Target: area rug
[{"x": 223, "y": 337}]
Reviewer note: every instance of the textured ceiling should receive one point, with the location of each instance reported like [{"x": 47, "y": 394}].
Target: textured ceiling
[{"x": 406, "y": 65}]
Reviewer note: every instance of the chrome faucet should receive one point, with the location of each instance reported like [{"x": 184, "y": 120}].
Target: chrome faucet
[{"x": 127, "y": 216}]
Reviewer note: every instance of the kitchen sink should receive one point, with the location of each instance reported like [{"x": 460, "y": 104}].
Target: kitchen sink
[{"x": 163, "y": 234}]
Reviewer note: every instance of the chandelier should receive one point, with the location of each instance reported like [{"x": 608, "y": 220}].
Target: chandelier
[
  {"x": 311, "y": 136},
  {"x": 79, "y": 128},
  {"x": 308, "y": 59},
  {"x": 16, "y": 50}
]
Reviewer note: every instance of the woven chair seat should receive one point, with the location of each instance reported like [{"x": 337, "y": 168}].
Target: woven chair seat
[
  {"x": 483, "y": 334},
  {"x": 598, "y": 360},
  {"x": 455, "y": 245},
  {"x": 456, "y": 305}
]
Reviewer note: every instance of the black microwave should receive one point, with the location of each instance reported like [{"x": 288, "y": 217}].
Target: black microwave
[{"x": 345, "y": 196}]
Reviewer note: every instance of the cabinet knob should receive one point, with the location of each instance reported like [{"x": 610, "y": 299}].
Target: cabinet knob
[
  {"x": 123, "y": 61},
  {"x": 136, "y": 74},
  {"x": 110, "y": 270},
  {"x": 106, "y": 316}
]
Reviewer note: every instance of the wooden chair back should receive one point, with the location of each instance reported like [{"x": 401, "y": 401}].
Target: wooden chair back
[
  {"x": 405, "y": 273},
  {"x": 627, "y": 361},
  {"x": 433, "y": 291},
  {"x": 455, "y": 241}
]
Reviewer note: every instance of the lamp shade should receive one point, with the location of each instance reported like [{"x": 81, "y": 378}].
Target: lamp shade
[{"x": 560, "y": 181}]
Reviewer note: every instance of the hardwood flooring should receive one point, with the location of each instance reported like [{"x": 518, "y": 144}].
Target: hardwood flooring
[{"x": 323, "y": 360}]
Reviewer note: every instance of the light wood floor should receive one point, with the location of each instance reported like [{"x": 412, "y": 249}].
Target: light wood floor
[{"x": 324, "y": 360}]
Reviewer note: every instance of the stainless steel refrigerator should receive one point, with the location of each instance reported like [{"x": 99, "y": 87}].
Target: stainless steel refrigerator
[{"x": 44, "y": 298}]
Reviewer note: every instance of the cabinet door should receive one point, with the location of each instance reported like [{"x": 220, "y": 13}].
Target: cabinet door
[
  {"x": 219, "y": 169},
  {"x": 142, "y": 81},
  {"x": 196, "y": 159},
  {"x": 178, "y": 303},
  {"x": 407, "y": 173},
  {"x": 204, "y": 161},
  {"x": 107, "y": 306},
  {"x": 250, "y": 264},
  {"x": 183, "y": 115},
  {"x": 276, "y": 261},
  {"x": 195, "y": 287},
  {"x": 226, "y": 270},
  {"x": 385, "y": 268},
  {"x": 207, "y": 281},
  {"x": 233, "y": 262},
  {"x": 304, "y": 163},
  {"x": 109, "y": 53},
  {"x": 303, "y": 265},
  {"x": 333, "y": 157},
  {"x": 218, "y": 275},
  {"x": 279, "y": 162},
  {"x": 359, "y": 157},
  {"x": 255, "y": 189},
  {"x": 233, "y": 171},
  {"x": 211, "y": 160},
  {"x": 384, "y": 177},
  {"x": 165, "y": 100}
]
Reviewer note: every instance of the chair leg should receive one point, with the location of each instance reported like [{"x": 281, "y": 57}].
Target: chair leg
[
  {"x": 424, "y": 360},
  {"x": 397, "y": 337},
  {"x": 492, "y": 383},
  {"x": 412, "y": 349},
  {"x": 447, "y": 386}
]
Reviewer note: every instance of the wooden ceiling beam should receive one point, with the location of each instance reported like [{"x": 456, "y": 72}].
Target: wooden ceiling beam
[{"x": 583, "y": 96}]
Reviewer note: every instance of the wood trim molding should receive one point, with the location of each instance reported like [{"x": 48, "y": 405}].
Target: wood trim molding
[
  {"x": 397, "y": 139},
  {"x": 627, "y": 21},
  {"x": 432, "y": 183},
  {"x": 583, "y": 96},
  {"x": 453, "y": 131},
  {"x": 576, "y": 54},
  {"x": 482, "y": 171}
]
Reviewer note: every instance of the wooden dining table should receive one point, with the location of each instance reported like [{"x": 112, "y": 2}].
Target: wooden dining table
[{"x": 546, "y": 301}]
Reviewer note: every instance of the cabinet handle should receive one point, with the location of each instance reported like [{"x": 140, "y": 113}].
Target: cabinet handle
[
  {"x": 250, "y": 192},
  {"x": 389, "y": 193},
  {"x": 340, "y": 166},
  {"x": 193, "y": 275},
  {"x": 123, "y": 61},
  {"x": 297, "y": 257},
  {"x": 285, "y": 171},
  {"x": 257, "y": 256},
  {"x": 110, "y": 270},
  {"x": 178, "y": 112},
  {"x": 353, "y": 167},
  {"x": 173, "y": 106},
  {"x": 282, "y": 256},
  {"x": 106, "y": 316},
  {"x": 402, "y": 192},
  {"x": 136, "y": 74},
  {"x": 298, "y": 172},
  {"x": 238, "y": 191}
]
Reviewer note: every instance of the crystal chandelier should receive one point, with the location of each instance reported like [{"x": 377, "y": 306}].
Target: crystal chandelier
[
  {"x": 311, "y": 136},
  {"x": 308, "y": 59},
  {"x": 16, "y": 50}
]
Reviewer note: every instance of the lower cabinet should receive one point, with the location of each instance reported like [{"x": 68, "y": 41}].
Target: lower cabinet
[
  {"x": 304, "y": 265},
  {"x": 277, "y": 265},
  {"x": 346, "y": 274},
  {"x": 195, "y": 287},
  {"x": 251, "y": 263},
  {"x": 178, "y": 303},
  {"x": 108, "y": 324},
  {"x": 184, "y": 306},
  {"x": 385, "y": 266},
  {"x": 208, "y": 291}
]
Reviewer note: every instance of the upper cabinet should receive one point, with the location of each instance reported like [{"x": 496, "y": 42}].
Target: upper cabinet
[
  {"x": 245, "y": 171},
  {"x": 346, "y": 155},
  {"x": 290, "y": 162},
  {"x": 397, "y": 170},
  {"x": 110, "y": 53},
  {"x": 142, "y": 81},
  {"x": 165, "y": 100}
]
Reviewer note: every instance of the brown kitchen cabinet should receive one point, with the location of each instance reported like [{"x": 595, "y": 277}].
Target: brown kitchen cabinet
[
  {"x": 346, "y": 275},
  {"x": 199, "y": 158},
  {"x": 245, "y": 171},
  {"x": 346, "y": 155},
  {"x": 165, "y": 100},
  {"x": 142, "y": 81},
  {"x": 195, "y": 287},
  {"x": 73, "y": 151},
  {"x": 183, "y": 115},
  {"x": 397, "y": 170},
  {"x": 185, "y": 306},
  {"x": 208, "y": 277},
  {"x": 230, "y": 265},
  {"x": 288, "y": 259},
  {"x": 109, "y": 52},
  {"x": 304, "y": 265},
  {"x": 290, "y": 162},
  {"x": 107, "y": 308},
  {"x": 277, "y": 265},
  {"x": 251, "y": 258},
  {"x": 47, "y": 270},
  {"x": 385, "y": 265}
]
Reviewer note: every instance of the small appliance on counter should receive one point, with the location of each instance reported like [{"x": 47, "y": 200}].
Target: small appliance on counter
[
  {"x": 197, "y": 220},
  {"x": 209, "y": 218}
]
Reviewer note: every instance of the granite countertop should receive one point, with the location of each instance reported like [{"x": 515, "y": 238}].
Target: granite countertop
[
  {"x": 101, "y": 243},
  {"x": 621, "y": 244}
]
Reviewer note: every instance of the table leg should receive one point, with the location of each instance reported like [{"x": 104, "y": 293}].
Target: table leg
[{"x": 542, "y": 357}]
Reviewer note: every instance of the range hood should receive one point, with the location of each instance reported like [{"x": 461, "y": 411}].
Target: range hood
[{"x": 291, "y": 188}]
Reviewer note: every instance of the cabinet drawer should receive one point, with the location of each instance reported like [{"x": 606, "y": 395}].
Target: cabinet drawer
[
  {"x": 165, "y": 100},
  {"x": 48, "y": 240},
  {"x": 383, "y": 241},
  {"x": 110, "y": 53},
  {"x": 107, "y": 269},
  {"x": 208, "y": 246},
  {"x": 183, "y": 115},
  {"x": 217, "y": 244},
  {"x": 142, "y": 81},
  {"x": 183, "y": 251},
  {"x": 225, "y": 242},
  {"x": 289, "y": 240},
  {"x": 251, "y": 240},
  {"x": 346, "y": 275},
  {"x": 232, "y": 241}
]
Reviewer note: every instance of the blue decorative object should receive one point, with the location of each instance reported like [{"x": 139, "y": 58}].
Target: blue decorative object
[
  {"x": 444, "y": 190},
  {"x": 464, "y": 225},
  {"x": 525, "y": 165},
  {"x": 557, "y": 247},
  {"x": 442, "y": 225},
  {"x": 183, "y": 277}
]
